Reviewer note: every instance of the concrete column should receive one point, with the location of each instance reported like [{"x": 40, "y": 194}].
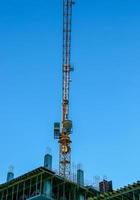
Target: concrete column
[
  {"x": 48, "y": 161},
  {"x": 134, "y": 198},
  {"x": 10, "y": 176},
  {"x": 81, "y": 197},
  {"x": 47, "y": 188},
  {"x": 80, "y": 177}
]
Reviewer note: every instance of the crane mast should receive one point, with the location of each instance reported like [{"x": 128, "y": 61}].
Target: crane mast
[{"x": 63, "y": 131}]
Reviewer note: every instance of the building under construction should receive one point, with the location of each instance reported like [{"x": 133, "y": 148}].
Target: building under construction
[
  {"x": 43, "y": 183},
  {"x": 130, "y": 192}
]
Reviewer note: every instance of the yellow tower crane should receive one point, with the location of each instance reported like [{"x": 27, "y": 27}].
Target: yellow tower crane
[{"x": 63, "y": 131}]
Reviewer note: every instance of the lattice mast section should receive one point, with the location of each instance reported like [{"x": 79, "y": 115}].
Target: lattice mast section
[
  {"x": 67, "y": 19},
  {"x": 65, "y": 141},
  {"x": 63, "y": 135}
]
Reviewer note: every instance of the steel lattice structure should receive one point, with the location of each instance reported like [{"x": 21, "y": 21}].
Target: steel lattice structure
[
  {"x": 64, "y": 140},
  {"x": 67, "y": 19},
  {"x": 62, "y": 132}
]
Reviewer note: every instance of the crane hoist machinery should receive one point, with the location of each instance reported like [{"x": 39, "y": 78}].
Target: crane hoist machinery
[{"x": 63, "y": 130}]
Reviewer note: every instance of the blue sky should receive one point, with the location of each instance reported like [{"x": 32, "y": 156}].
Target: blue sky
[{"x": 105, "y": 89}]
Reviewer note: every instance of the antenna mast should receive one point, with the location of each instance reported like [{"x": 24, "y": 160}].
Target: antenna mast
[{"x": 62, "y": 132}]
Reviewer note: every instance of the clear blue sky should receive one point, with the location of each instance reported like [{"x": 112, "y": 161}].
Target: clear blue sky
[{"x": 105, "y": 92}]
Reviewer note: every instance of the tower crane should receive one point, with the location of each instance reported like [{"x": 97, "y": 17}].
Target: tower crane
[{"x": 63, "y": 130}]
